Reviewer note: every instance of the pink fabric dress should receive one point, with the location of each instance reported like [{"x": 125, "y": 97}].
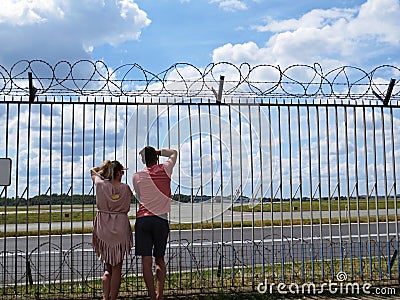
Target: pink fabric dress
[{"x": 112, "y": 233}]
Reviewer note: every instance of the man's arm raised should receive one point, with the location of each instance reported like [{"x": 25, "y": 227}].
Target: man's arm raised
[{"x": 170, "y": 153}]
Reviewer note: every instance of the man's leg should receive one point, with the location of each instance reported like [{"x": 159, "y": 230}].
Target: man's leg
[
  {"x": 106, "y": 280},
  {"x": 161, "y": 273},
  {"x": 115, "y": 281},
  {"x": 147, "y": 264},
  {"x": 160, "y": 243}
]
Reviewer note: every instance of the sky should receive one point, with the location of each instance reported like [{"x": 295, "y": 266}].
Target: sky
[{"x": 157, "y": 34}]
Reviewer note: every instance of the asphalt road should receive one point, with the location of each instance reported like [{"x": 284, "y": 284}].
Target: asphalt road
[{"x": 333, "y": 232}]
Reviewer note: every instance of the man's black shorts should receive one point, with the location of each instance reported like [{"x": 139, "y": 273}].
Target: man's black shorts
[{"x": 151, "y": 235}]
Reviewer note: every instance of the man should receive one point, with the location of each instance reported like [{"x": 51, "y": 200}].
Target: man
[{"x": 153, "y": 189}]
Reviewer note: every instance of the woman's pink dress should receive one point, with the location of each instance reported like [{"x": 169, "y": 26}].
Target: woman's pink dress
[{"x": 112, "y": 233}]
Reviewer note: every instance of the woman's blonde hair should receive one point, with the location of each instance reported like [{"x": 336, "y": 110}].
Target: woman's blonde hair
[{"x": 109, "y": 169}]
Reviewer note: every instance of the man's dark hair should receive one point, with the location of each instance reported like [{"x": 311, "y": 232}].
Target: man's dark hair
[{"x": 150, "y": 155}]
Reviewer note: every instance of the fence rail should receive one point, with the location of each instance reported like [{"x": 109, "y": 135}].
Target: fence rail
[{"x": 266, "y": 190}]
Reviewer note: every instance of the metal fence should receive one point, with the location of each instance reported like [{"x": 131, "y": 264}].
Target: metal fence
[{"x": 270, "y": 190}]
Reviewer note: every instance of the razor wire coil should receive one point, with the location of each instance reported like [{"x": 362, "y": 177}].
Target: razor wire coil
[{"x": 95, "y": 78}]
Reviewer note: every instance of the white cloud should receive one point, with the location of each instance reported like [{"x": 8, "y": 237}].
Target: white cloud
[
  {"x": 316, "y": 18},
  {"x": 248, "y": 52},
  {"x": 331, "y": 37},
  {"x": 66, "y": 30},
  {"x": 22, "y": 12},
  {"x": 380, "y": 19},
  {"x": 230, "y": 5}
]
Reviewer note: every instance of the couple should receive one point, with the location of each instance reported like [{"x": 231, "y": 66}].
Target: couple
[{"x": 112, "y": 234}]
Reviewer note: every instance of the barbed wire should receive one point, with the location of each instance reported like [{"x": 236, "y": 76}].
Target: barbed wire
[{"x": 92, "y": 78}]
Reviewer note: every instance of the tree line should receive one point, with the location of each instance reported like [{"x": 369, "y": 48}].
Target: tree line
[
  {"x": 78, "y": 199},
  {"x": 64, "y": 199}
]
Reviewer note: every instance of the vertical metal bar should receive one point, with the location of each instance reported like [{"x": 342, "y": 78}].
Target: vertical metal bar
[
  {"x": 16, "y": 197},
  {"x": 338, "y": 189},
  {"x": 105, "y": 156},
  {"x": 28, "y": 278},
  {"x": 201, "y": 193},
  {"x": 191, "y": 188},
  {"x": 158, "y": 125},
  {"x": 50, "y": 177},
  {"x": 7, "y": 113},
  {"x": 329, "y": 190},
  {"x": 348, "y": 192},
  {"x": 376, "y": 193},
  {"x": 116, "y": 117},
  {"x": 222, "y": 196},
  {"x": 62, "y": 175},
  {"x": 252, "y": 193},
  {"x": 291, "y": 207},
  {"x": 137, "y": 107},
  {"x": 169, "y": 146},
  {"x": 320, "y": 195},
  {"x": 72, "y": 177},
  {"x": 301, "y": 192},
  {"x": 137, "y": 139},
  {"x": 241, "y": 180},
  {"x": 179, "y": 187},
  {"x": 94, "y": 205},
  {"x": 232, "y": 197},
  {"x": 360, "y": 256},
  {"x": 272, "y": 192},
  {"x": 262, "y": 193},
  {"x": 148, "y": 125},
  {"x": 41, "y": 179},
  {"x": 396, "y": 216},
  {"x": 385, "y": 185},
  {"x": 83, "y": 209},
  {"x": 119, "y": 147},
  {"x": 212, "y": 191},
  {"x": 311, "y": 194},
  {"x": 367, "y": 193},
  {"x": 280, "y": 188},
  {"x": 126, "y": 154}
]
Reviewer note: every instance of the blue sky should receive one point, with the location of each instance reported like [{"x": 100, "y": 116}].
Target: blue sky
[{"x": 157, "y": 34}]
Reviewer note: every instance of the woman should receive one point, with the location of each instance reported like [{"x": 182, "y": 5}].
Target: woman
[{"x": 112, "y": 234}]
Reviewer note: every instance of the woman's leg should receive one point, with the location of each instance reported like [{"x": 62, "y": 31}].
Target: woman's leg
[
  {"x": 115, "y": 281},
  {"x": 107, "y": 281}
]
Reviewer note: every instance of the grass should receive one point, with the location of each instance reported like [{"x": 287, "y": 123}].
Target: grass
[
  {"x": 209, "y": 225},
  {"x": 296, "y": 205},
  {"x": 47, "y": 217}
]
